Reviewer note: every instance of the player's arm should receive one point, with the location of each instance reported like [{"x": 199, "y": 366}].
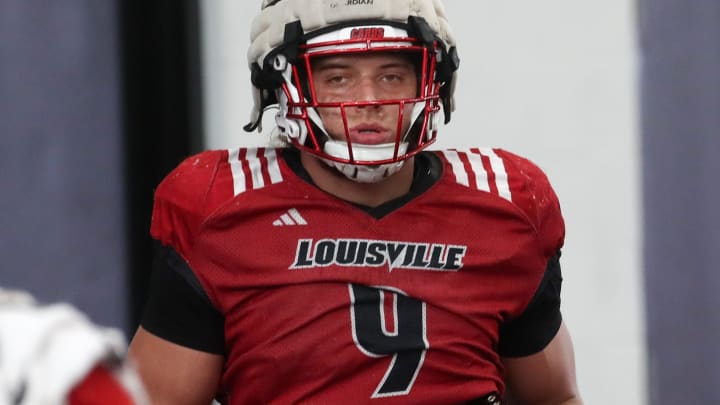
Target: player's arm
[
  {"x": 174, "y": 374},
  {"x": 179, "y": 347},
  {"x": 546, "y": 377},
  {"x": 536, "y": 348}
]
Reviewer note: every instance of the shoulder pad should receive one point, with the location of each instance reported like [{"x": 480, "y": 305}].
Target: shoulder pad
[
  {"x": 181, "y": 199},
  {"x": 532, "y": 192},
  {"x": 517, "y": 180},
  {"x": 201, "y": 184}
]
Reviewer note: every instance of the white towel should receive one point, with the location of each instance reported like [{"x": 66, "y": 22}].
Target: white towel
[{"x": 45, "y": 350}]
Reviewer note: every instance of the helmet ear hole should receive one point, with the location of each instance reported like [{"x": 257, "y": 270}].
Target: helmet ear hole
[{"x": 280, "y": 62}]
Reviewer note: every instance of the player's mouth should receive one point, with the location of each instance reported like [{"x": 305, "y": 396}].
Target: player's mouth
[{"x": 370, "y": 134}]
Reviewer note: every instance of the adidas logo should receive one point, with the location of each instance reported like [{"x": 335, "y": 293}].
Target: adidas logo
[{"x": 291, "y": 217}]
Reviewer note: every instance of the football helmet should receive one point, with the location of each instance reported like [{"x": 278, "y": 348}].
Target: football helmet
[{"x": 288, "y": 37}]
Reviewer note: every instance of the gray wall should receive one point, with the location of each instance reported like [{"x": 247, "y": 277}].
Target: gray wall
[
  {"x": 61, "y": 204},
  {"x": 680, "y": 43}
]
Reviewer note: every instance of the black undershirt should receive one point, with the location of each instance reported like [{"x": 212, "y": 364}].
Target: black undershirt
[{"x": 179, "y": 310}]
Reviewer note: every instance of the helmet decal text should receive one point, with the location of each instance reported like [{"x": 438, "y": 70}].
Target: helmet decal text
[
  {"x": 358, "y": 2},
  {"x": 367, "y": 33}
]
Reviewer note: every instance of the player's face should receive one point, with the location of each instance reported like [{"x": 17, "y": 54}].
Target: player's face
[{"x": 366, "y": 77}]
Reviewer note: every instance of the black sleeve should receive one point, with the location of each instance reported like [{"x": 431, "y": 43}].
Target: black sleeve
[
  {"x": 178, "y": 309},
  {"x": 530, "y": 332}
]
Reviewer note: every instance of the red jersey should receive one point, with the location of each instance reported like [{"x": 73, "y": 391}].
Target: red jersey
[{"x": 324, "y": 303}]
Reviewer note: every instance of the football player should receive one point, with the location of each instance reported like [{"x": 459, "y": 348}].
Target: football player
[{"x": 353, "y": 265}]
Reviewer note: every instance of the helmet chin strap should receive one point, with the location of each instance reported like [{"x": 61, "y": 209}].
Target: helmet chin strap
[{"x": 364, "y": 173}]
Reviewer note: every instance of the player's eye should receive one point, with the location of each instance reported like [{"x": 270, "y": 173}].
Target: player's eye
[
  {"x": 397, "y": 80},
  {"x": 392, "y": 77},
  {"x": 336, "y": 80}
]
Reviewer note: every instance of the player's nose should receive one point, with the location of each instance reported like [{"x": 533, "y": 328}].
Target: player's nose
[{"x": 367, "y": 90}]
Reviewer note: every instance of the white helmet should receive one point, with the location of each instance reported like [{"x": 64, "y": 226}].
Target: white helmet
[{"x": 288, "y": 34}]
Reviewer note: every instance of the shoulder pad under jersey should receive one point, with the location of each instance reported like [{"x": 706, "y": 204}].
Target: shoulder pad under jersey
[
  {"x": 514, "y": 179},
  {"x": 201, "y": 184},
  {"x": 181, "y": 200}
]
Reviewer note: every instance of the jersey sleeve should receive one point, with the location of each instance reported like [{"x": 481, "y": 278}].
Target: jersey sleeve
[
  {"x": 185, "y": 198},
  {"x": 178, "y": 309},
  {"x": 531, "y": 332},
  {"x": 537, "y": 325}
]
